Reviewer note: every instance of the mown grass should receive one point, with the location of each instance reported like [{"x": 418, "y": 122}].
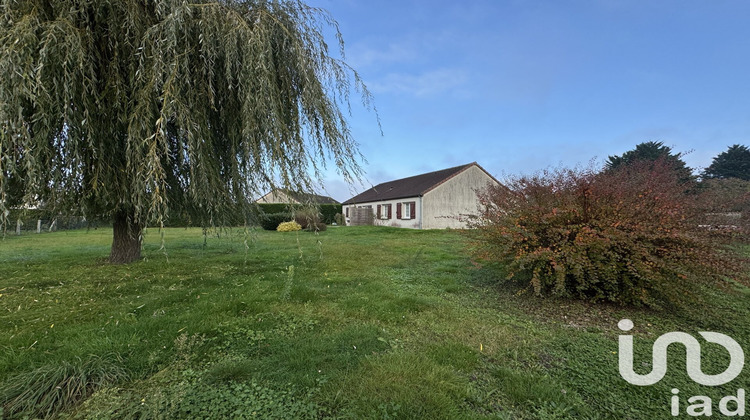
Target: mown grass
[{"x": 349, "y": 323}]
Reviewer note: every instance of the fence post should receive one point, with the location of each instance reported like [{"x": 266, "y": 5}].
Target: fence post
[
  {"x": 53, "y": 225},
  {"x": 18, "y": 227},
  {"x": 38, "y": 225}
]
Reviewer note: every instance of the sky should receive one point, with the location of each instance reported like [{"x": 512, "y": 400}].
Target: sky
[{"x": 522, "y": 85}]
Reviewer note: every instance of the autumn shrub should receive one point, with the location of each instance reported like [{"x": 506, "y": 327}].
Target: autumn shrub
[
  {"x": 289, "y": 227},
  {"x": 633, "y": 235},
  {"x": 730, "y": 195}
]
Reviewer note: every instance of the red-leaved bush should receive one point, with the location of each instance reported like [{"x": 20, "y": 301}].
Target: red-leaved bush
[{"x": 636, "y": 235}]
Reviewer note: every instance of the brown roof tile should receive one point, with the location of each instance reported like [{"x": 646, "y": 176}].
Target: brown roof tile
[{"x": 412, "y": 186}]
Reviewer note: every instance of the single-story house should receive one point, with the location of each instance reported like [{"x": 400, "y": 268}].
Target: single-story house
[
  {"x": 285, "y": 196},
  {"x": 435, "y": 200}
]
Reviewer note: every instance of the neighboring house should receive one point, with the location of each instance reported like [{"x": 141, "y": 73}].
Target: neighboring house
[
  {"x": 285, "y": 196},
  {"x": 435, "y": 200}
]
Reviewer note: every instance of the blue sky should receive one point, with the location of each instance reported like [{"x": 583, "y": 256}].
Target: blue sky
[{"x": 521, "y": 85}]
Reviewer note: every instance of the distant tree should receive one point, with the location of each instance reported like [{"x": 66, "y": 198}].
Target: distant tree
[
  {"x": 128, "y": 110},
  {"x": 733, "y": 163},
  {"x": 652, "y": 151}
]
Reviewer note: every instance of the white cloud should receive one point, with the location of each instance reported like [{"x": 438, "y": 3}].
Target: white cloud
[
  {"x": 424, "y": 84},
  {"x": 362, "y": 55}
]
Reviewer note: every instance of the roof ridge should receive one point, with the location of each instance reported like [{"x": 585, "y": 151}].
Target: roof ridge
[
  {"x": 426, "y": 173},
  {"x": 301, "y": 195}
]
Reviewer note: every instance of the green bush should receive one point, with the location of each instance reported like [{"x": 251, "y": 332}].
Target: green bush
[
  {"x": 328, "y": 212},
  {"x": 264, "y": 214},
  {"x": 273, "y": 220}
]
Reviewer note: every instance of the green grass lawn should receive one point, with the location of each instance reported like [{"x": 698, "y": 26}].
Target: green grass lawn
[{"x": 355, "y": 322}]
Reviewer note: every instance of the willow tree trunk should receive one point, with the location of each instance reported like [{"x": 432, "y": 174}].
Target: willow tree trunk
[{"x": 126, "y": 241}]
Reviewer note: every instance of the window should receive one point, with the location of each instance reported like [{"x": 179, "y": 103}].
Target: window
[
  {"x": 406, "y": 210},
  {"x": 385, "y": 212}
]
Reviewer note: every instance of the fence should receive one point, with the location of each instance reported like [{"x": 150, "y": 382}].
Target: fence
[
  {"x": 361, "y": 216},
  {"x": 26, "y": 225}
]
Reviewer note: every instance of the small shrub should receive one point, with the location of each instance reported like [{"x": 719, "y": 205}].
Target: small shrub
[
  {"x": 307, "y": 216},
  {"x": 289, "y": 227},
  {"x": 339, "y": 219},
  {"x": 273, "y": 220},
  {"x": 631, "y": 235}
]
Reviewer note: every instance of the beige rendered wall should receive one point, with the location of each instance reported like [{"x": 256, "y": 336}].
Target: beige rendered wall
[
  {"x": 447, "y": 205},
  {"x": 404, "y": 222}
]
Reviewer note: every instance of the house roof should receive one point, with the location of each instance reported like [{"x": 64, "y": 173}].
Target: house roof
[
  {"x": 301, "y": 197},
  {"x": 413, "y": 186}
]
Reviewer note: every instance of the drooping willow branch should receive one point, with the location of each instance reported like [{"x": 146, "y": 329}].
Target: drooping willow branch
[{"x": 153, "y": 107}]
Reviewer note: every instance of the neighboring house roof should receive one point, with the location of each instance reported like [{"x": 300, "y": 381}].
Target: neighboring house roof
[
  {"x": 311, "y": 198},
  {"x": 413, "y": 186},
  {"x": 301, "y": 197}
]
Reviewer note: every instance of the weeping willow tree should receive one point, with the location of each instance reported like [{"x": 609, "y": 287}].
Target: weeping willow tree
[{"x": 131, "y": 110}]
